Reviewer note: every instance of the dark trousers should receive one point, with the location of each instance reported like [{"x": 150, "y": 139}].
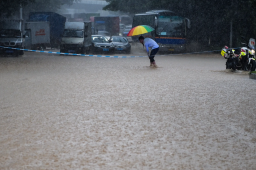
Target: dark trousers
[{"x": 152, "y": 54}]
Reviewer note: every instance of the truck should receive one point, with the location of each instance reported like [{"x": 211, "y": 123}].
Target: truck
[
  {"x": 44, "y": 29},
  {"x": 11, "y": 35},
  {"x": 76, "y": 38},
  {"x": 107, "y": 23}
]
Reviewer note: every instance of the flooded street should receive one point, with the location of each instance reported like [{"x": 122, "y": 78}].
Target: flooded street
[{"x": 73, "y": 112}]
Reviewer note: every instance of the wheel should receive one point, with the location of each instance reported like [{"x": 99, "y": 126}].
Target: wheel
[
  {"x": 16, "y": 53},
  {"x": 253, "y": 65},
  {"x": 21, "y": 52},
  {"x": 86, "y": 50},
  {"x": 228, "y": 63},
  {"x": 92, "y": 51},
  {"x": 234, "y": 63},
  {"x": 62, "y": 51},
  {"x": 41, "y": 48},
  {"x": 82, "y": 51}
]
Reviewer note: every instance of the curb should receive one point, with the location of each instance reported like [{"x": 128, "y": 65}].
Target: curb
[
  {"x": 51, "y": 52},
  {"x": 107, "y": 56}
]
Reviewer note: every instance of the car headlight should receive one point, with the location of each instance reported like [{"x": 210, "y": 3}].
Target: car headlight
[
  {"x": 253, "y": 52},
  {"x": 96, "y": 45}
]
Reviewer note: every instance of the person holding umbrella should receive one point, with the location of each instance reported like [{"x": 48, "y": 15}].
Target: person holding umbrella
[{"x": 149, "y": 43}]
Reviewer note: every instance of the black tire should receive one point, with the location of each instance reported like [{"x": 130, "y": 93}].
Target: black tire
[
  {"x": 87, "y": 50},
  {"x": 16, "y": 53},
  {"x": 234, "y": 65},
  {"x": 91, "y": 50},
  {"x": 82, "y": 51},
  {"x": 253, "y": 65},
  {"x": 62, "y": 51},
  {"x": 228, "y": 63},
  {"x": 21, "y": 52}
]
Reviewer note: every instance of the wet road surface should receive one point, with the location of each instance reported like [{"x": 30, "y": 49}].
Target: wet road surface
[{"x": 71, "y": 112}]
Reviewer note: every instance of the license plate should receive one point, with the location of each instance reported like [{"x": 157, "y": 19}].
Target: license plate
[
  {"x": 71, "y": 51},
  {"x": 120, "y": 49},
  {"x": 105, "y": 49},
  {"x": 171, "y": 49},
  {"x": 9, "y": 51}
]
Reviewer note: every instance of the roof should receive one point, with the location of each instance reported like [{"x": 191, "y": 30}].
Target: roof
[
  {"x": 159, "y": 11},
  {"x": 155, "y": 12}
]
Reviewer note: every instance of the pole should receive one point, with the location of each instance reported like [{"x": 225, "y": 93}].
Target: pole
[
  {"x": 21, "y": 20},
  {"x": 231, "y": 33},
  {"x": 21, "y": 16}
]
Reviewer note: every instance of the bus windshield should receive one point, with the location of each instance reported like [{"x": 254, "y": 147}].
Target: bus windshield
[{"x": 171, "y": 26}]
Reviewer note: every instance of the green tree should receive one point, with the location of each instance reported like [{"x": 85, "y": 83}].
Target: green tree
[
  {"x": 129, "y": 6},
  {"x": 47, "y": 5},
  {"x": 9, "y": 8}
]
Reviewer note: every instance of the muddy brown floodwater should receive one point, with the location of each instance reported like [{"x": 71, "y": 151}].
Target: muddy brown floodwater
[{"x": 71, "y": 112}]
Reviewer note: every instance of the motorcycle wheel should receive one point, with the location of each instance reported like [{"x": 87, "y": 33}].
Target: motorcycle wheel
[
  {"x": 229, "y": 63},
  {"x": 234, "y": 65},
  {"x": 253, "y": 65}
]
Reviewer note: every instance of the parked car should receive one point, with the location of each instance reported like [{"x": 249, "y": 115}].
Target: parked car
[
  {"x": 101, "y": 44},
  {"x": 126, "y": 31},
  {"x": 107, "y": 37},
  {"x": 121, "y": 44}
]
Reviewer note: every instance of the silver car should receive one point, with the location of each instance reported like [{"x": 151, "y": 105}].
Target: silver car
[
  {"x": 101, "y": 45},
  {"x": 121, "y": 44}
]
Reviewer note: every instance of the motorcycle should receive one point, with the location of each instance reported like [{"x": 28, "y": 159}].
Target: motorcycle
[
  {"x": 242, "y": 58},
  {"x": 230, "y": 54},
  {"x": 247, "y": 57}
]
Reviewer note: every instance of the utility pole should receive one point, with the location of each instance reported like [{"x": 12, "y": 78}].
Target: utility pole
[
  {"x": 231, "y": 28},
  {"x": 21, "y": 18},
  {"x": 21, "y": 21},
  {"x": 231, "y": 33}
]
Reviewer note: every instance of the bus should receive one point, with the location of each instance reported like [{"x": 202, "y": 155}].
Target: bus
[{"x": 170, "y": 29}]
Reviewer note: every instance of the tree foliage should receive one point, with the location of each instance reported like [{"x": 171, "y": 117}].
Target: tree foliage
[
  {"x": 10, "y": 7},
  {"x": 210, "y": 19},
  {"x": 47, "y": 5}
]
